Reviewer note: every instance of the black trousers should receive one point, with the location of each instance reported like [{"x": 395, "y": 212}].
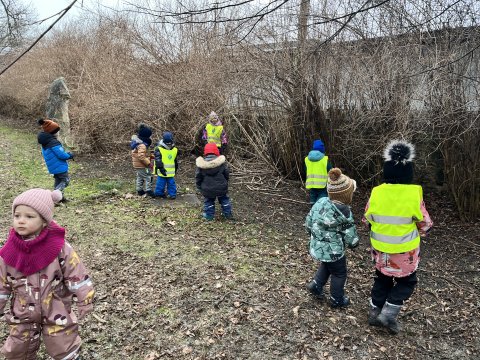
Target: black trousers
[
  {"x": 337, "y": 270},
  {"x": 394, "y": 290}
]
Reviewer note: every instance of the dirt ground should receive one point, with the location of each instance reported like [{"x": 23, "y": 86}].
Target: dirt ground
[{"x": 170, "y": 285}]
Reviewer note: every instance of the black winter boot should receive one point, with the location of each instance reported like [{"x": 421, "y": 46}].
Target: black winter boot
[
  {"x": 373, "y": 313},
  {"x": 388, "y": 317},
  {"x": 140, "y": 192},
  {"x": 342, "y": 303},
  {"x": 316, "y": 291}
]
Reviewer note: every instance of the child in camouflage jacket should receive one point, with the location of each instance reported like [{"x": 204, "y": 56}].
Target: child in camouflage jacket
[{"x": 331, "y": 228}]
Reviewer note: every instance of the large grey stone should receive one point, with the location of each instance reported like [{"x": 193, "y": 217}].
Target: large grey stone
[{"x": 57, "y": 110}]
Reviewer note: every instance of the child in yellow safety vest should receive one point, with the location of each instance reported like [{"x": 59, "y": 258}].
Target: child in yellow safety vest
[
  {"x": 214, "y": 132},
  {"x": 317, "y": 167},
  {"x": 166, "y": 166},
  {"x": 397, "y": 218}
]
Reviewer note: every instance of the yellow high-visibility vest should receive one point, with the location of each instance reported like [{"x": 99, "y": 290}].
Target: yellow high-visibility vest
[
  {"x": 317, "y": 173},
  {"x": 393, "y": 212},
  {"x": 214, "y": 134},
  {"x": 168, "y": 160}
]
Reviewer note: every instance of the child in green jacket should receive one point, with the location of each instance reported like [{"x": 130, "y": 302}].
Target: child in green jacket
[{"x": 331, "y": 228}]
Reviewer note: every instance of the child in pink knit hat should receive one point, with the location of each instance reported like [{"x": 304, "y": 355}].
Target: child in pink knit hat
[
  {"x": 41, "y": 273},
  {"x": 214, "y": 132}
]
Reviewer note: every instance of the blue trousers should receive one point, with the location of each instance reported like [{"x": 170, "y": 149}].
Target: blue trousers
[
  {"x": 209, "y": 206},
  {"x": 169, "y": 182},
  {"x": 316, "y": 194},
  {"x": 61, "y": 181}
]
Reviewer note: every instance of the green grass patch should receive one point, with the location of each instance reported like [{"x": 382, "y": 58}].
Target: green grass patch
[
  {"x": 111, "y": 185},
  {"x": 244, "y": 270},
  {"x": 165, "y": 312}
]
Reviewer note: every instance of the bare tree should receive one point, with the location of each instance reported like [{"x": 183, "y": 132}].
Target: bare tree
[{"x": 13, "y": 23}]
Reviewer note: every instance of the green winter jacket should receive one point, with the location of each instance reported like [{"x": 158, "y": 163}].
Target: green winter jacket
[{"x": 331, "y": 228}]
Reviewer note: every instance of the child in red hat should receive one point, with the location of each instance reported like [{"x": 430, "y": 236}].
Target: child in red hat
[{"x": 212, "y": 176}]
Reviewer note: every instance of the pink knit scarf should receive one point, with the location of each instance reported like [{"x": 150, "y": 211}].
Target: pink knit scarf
[{"x": 28, "y": 257}]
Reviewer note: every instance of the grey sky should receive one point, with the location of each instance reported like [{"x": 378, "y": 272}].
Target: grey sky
[{"x": 47, "y": 8}]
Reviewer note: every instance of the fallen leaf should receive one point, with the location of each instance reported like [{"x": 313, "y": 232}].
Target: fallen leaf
[
  {"x": 152, "y": 355},
  {"x": 99, "y": 318},
  {"x": 295, "y": 310},
  {"x": 187, "y": 350}
]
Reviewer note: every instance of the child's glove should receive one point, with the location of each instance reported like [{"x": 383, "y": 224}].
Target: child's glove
[
  {"x": 83, "y": 310},
  {"x": 71, "y": 156},
  {"x": 161, "y": 171}
]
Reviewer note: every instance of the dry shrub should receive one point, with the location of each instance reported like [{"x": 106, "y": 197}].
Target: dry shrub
[{"x": 356, "y": 96}]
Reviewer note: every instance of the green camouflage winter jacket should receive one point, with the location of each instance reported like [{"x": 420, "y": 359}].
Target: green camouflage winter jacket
[{"x": 331, "y": 228}]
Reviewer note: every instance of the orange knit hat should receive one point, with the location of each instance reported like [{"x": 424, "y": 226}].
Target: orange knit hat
[{"x": 49, "y": 126}]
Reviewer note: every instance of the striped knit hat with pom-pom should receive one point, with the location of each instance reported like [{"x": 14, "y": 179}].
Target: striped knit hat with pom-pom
[
  {"x": 340, "y": 187},
  {"x": 398, "y": 166}
]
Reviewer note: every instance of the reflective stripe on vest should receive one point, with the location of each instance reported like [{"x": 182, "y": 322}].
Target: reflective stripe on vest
[
  {"x": 317, "y": 174},
  {"x": 214, "y": 134},
  {"x": 392, "y": 220},
  {"x": 392, "y": 212},
  {"x": 395, "y": 239},
  {"x": 168, "y": 160}
]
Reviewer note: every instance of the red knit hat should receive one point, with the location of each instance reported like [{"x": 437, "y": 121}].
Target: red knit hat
[
  {"x": 211, "y": 148},
  {"x": 41, "y": 200}
]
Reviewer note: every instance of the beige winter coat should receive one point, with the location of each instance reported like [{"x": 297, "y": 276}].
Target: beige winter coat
[{"x": 140, "y": 154}]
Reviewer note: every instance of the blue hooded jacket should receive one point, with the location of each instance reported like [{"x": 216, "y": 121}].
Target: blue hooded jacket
[{"x": 53, "y": 153}]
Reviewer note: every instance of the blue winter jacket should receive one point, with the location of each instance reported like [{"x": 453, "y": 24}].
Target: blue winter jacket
[{"x": 53, "y": 153}]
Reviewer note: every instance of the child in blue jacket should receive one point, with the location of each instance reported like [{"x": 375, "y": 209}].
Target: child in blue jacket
[{"x": 54, "y": 154}]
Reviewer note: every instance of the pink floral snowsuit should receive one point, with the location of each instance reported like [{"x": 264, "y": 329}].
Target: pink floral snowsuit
[{"x": 41, "y": 303}]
